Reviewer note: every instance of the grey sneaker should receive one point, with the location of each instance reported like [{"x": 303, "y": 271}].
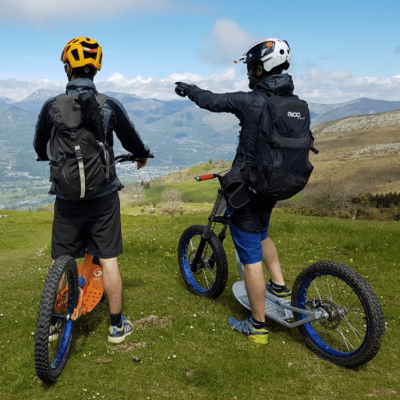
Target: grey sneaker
[{"x": 117, "y": 335}]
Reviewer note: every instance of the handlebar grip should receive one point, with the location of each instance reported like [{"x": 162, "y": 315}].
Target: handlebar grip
[{"x": 204, "y": 177}]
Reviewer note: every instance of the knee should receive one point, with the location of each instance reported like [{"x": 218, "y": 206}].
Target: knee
[{"x": 109, "y": 263}]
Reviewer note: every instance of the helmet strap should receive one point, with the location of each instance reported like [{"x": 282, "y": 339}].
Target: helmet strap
[{"x": 68, "y": 70}]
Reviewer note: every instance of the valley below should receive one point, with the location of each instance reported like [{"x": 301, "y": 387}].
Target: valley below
[{"x": 358, "y": 143}]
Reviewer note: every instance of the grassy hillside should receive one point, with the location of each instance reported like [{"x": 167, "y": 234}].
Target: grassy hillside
[
  {"x": 188, "y": 351},
  {"x": 362, "y": 156},
  {"x": 356, "y": 155}
]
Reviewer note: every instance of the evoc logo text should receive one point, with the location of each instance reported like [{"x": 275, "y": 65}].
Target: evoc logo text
[{"x": 294, "y": 114}]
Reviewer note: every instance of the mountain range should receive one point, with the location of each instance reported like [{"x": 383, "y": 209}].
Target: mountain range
[{"x": 178, "y": 132}]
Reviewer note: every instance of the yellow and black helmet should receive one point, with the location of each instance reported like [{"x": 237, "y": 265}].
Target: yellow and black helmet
[{"x": 82, "y": 52}]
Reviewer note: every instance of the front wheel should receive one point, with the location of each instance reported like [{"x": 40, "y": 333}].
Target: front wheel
[
  {"x": 54, "y": 324},
  {"x": 209, "y": 277},
  {"x": 353, "y": 332}
]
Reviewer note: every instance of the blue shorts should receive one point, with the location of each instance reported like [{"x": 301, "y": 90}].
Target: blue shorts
[{"x": 248, "y": 245}]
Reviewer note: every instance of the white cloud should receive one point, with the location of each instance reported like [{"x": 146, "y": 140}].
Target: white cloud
[
  {"x": 316, "y": 86},
  {"x": 163, "y": 89},
  {"x": 39, "y": 11},
  {"x": 17, "y": 90},
  {"x": 227, "y": 42},
  {"x": 339, "y": 86}
]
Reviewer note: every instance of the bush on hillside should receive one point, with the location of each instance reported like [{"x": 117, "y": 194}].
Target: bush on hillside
[
  {"x": 171, "y": 195},
  {"x": 334, "y": 199},
  {"x": 381, "y": 200}
]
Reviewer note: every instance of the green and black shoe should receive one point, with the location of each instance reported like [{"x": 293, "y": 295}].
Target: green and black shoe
[{"x": 283, "y": 292}]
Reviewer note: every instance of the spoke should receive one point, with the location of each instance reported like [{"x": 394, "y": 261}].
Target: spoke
[
  {"x": 345, "y": 330},
  {"x": 339, "y": 288},
  {"x": 356, "y": 333},
  {"x": 329, "y": 288},
  {"x": 352, "y": 305},
  {"x": 317, "y": 290},
  {"x": 205, "y": 276},
  {"x": 346, "y": 341}
]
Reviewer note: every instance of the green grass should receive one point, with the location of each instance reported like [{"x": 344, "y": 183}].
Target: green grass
[
  {"x": 200, "y": 192},
  {"x": 192, "y": 191},
  {"x": 211, "y": 362}
]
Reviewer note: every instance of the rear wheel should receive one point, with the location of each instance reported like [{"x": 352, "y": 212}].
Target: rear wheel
[
  {"x": 54, "y": 324},
  {"x": 352, "y": 334},
  {"x": 210, "y": 276}
]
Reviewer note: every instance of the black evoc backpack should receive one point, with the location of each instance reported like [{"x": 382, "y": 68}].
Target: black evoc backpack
[
  {"x": 279, "y": 167},
  {"x": 77, "y": 150}
]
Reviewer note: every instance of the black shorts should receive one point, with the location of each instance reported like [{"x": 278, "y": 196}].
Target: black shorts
[
  {"x": 254, "y": 216},
  {"x": 92, "y": 226}
]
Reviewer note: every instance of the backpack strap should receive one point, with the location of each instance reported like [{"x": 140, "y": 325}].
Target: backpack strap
[
  {"x": 101, "y": 99},
  {"x": 81, "y": 167},
  {"x": 266, "y": 96}
]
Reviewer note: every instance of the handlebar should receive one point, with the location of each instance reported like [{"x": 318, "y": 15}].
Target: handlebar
[
  {"x": 130, "y": 158},
  {"x": 120, "y": 158},
  {"x": 209, "y": 176},
  {"x": 204, "y": 177}
]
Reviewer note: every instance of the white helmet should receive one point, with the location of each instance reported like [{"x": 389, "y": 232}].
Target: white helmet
[{"x": 271, "y": 51}]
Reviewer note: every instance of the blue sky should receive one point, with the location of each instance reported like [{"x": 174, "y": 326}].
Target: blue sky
[{"x": 341, "y": 50}]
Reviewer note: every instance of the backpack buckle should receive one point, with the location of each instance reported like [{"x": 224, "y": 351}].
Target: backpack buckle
[{"x": 78, "y": 152}]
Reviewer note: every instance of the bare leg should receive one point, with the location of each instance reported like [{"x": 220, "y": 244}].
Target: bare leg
[
  {"x": 112, "y": 282},
  {"x": 255, "y": 286},
  {"x": 271, "y": 260}
]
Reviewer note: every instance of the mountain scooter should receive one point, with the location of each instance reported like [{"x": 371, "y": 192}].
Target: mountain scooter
[
  {"x": 70, "y": 291},
  {"x": 334, "y": 308}
]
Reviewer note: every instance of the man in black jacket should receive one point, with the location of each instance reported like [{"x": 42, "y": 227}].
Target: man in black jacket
[
  {"x": 93, "y": 223},
  {"x": 265, "y": 61}
]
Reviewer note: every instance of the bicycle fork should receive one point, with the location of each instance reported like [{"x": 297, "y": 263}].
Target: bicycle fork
[{"x": 205, "y": 237}]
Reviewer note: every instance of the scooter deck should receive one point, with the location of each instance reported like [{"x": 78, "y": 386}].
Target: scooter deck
[{"x": 274, "y": 306}]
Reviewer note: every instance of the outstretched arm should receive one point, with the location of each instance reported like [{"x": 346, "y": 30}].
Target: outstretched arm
[{"x": 226, "y": 102}]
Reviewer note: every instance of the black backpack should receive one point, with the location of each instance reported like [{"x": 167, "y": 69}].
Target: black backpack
[
  {"x": 77, "y": 150},
  {"x": 279, "y": 167}
]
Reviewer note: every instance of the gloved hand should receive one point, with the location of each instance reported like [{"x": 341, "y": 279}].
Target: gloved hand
[
  {"x": 181, "y": 89},
  {"x": 141, "y": 162}
]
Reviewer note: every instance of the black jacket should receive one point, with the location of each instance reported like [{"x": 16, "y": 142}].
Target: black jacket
[
  {"x": 115, "y": 119},
  {"x": 247, "y": 106}
]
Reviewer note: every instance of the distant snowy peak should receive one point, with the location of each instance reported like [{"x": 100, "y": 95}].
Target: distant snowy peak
[
  {"x": 40, "y": 95},
  {"x": 34, "y": 102},
  {"x": 124, "y": 97}
]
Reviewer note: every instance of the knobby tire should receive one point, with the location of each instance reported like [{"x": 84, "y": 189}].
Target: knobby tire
[
  {"x": 54, "y": 326},
  {"x": 212, "y": 275},
  {"x": 353, "y": 333}
]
